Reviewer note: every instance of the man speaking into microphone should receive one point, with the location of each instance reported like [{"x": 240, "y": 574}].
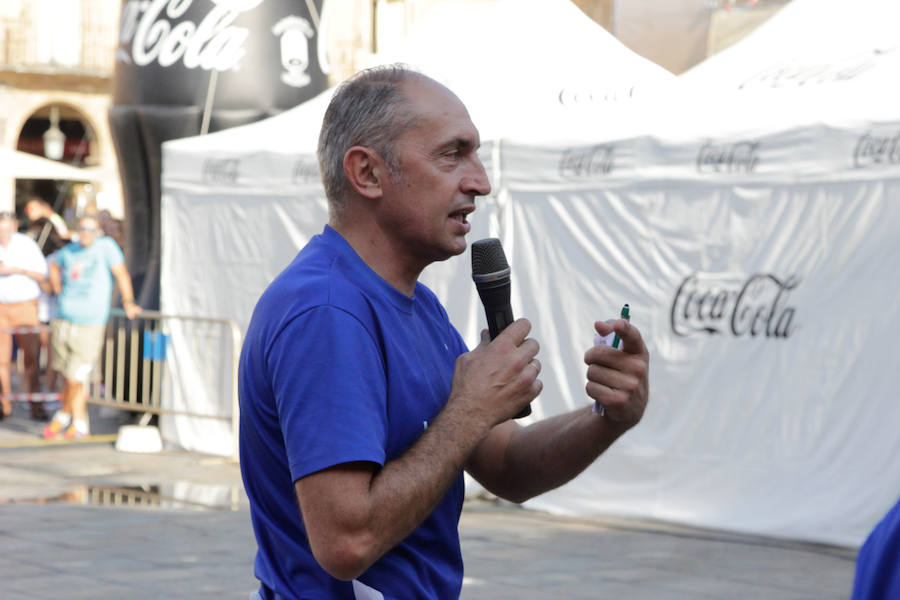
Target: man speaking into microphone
[{"x": 360, "y": 403}]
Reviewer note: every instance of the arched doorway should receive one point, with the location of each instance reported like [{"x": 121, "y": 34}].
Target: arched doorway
[{"x": 61, "y": 132}]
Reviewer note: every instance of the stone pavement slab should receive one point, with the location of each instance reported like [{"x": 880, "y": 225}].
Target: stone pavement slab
[
  {"x": 83, "y": 551},
  {"x": 520, "y": 554}
]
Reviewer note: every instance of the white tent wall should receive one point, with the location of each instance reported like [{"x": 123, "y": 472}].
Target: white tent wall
[
  {"x": 766, "y": 426},
  {"x": 223, "y": 244},
  {"x": 786, "y": 189},
  {"x": 222, "y": 247},
  {"x": 798, "y": 182}
]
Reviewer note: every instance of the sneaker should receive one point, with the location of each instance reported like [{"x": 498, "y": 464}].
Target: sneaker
[
  {"x": 53, "y": 430},
  {"x": 73, "y": 433}
]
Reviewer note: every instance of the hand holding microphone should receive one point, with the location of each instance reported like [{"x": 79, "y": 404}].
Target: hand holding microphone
[{"x": 490, "y": 271}]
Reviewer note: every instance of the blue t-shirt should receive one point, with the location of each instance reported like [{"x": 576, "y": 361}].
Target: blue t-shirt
[
  {"x": 87, "y": 282},
  {"x": 339, "y": 366},
  {"x": 878, "y": 563}
]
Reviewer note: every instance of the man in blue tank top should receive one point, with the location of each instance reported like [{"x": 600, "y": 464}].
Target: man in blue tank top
[{"x": 360, "y": 403}]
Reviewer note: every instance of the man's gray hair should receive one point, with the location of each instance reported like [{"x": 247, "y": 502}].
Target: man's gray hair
[{"x": 369, "y": 109}]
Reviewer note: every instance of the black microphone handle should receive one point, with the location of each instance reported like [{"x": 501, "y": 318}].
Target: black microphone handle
[{"x": 497, "y": 320}]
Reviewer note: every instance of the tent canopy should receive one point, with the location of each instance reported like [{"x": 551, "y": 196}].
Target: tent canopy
[
  {"x": 810, "y": 43},
  {"x": 816, "y": 63},
  {"x": 527, "y": 69},
  {"x": 528, "y": 82},
  {"x": 21, "y": 165}
]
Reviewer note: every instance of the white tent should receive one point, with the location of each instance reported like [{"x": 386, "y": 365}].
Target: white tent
[
  {"x": 807, "y": 44},
  {"x": 815, "y": 63},
  {"x": 21, "y": 165},
  {"x": 531, "y": 67},
  {"x": 756, "y": 251}
]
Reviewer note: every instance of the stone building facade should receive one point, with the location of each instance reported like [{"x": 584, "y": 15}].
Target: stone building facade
[{"x": 56, "y": 64}]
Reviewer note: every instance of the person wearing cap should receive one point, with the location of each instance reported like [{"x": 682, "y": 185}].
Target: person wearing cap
[
  {"x": 22, "y": 271},
  {"x": 82, "y": 277}
]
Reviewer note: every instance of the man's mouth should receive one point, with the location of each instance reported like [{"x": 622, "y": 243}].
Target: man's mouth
[{"x": 461, "y": 215}]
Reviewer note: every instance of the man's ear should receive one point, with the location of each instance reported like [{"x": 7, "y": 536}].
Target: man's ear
[{"x": 365, "y": 171}]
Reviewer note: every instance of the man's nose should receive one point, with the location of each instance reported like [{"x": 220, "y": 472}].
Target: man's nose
[{"x": 476, "y": 181}]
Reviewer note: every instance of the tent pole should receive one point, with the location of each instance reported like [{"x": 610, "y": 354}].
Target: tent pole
[
  {"x": 374, "y": 26},
  {"x": 210, "y": 94}
]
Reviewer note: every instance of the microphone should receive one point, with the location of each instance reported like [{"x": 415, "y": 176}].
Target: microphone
[{"x": 490, "y": 272}]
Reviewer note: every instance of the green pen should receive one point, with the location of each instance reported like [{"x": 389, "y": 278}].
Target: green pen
[{"x": 626, "y": 314}]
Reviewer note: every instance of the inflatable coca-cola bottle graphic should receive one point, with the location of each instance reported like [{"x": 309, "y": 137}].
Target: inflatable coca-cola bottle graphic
[{"x": 189, "y": 66}]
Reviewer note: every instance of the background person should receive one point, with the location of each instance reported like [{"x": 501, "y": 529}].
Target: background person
[
  {"x": 22, "y": 269},
  {"x": 52, "y": 242},
  {"x": 360, "y": 401},
  {"x": 36, "y": 209},
  {"x": 82, "y": 277}
]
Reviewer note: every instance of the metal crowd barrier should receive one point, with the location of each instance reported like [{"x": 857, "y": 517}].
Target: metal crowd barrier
[
  {"x": 135, "y": 370},
  {"x": 136, "y": 367}
]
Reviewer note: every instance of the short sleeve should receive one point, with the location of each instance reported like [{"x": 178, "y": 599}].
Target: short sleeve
[
  {"x": 112, "y": 252},
  {"x": 60, "y": 258},
  {"x": 328, "y": 381}
]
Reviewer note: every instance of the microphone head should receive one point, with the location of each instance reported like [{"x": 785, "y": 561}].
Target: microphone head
[{"x": 488, "y": 260}]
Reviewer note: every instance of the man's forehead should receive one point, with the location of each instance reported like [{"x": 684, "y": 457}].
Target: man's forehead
[{"x": 438, "y": 107}]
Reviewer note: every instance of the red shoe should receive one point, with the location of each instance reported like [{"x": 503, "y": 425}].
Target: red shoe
[{"x": 53, "y": 430}]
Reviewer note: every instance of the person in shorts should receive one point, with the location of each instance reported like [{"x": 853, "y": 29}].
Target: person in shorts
[
  {"x": 82, "y": 276},
  {"x": 22, "y": 270}
]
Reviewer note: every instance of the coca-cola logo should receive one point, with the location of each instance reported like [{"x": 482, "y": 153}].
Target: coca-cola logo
[
  {"x": 576, "y": 96},
  {"x": 781, "y": 75},
  {"x": 728, "y": 158},
  {"x": 305, "y": 172},
  {"x": 154, "y": 31},
  {"x": 221, "y": 170},
  {"x": 791, "y": 76},
  {"x": 582, "y": 163},
  {"x": 758, "y": 306},
  {"x": 876, "y": 150}
]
